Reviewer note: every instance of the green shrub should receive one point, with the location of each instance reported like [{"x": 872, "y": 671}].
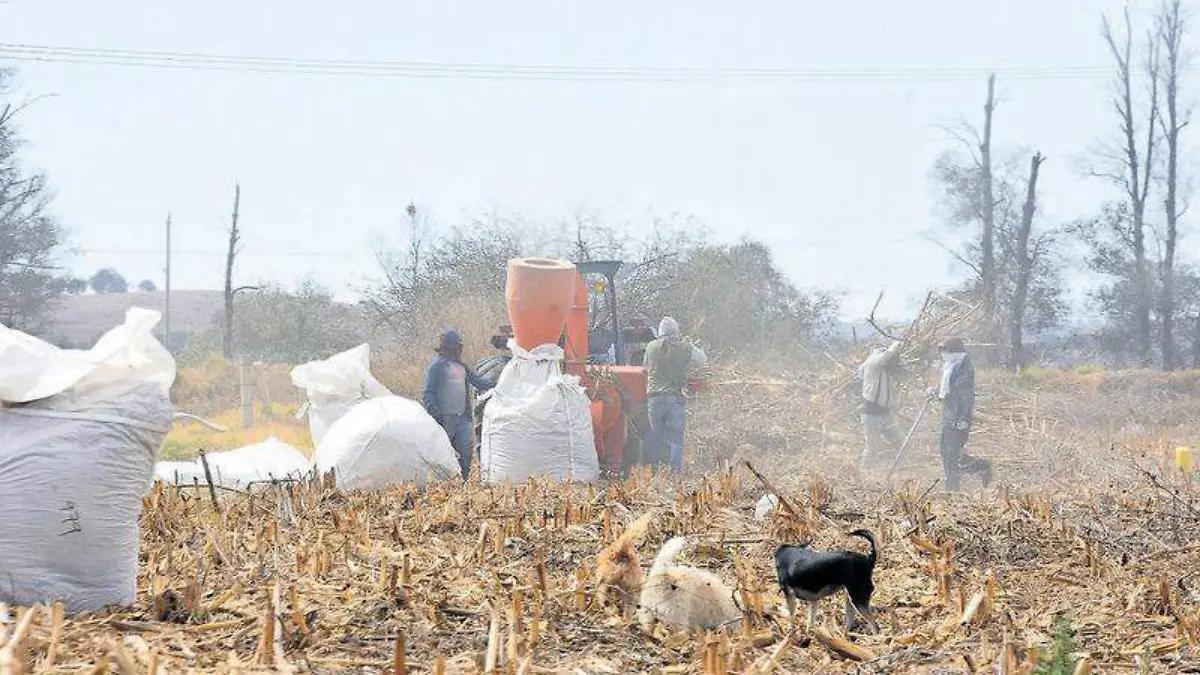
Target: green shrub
[{"x": 1060, "y": 660}]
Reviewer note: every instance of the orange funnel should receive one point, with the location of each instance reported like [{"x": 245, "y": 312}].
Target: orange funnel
[{"x": 539, "y": 293}]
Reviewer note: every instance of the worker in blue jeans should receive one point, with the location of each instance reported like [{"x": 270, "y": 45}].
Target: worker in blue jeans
[
  {"x": 445, "y": 397},
  {"x": 670, "y": 362}
]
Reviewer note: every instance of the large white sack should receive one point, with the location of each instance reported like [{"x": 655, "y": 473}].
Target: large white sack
[
  {"x": 385, "y": 441},
  {"x": 269, "y": 460},
  {"x": 79, "y": 431},
  {"x": 336, "y": 385},
  {"x": 129, "y": 354},
  {"x": 537, "y": 422}
]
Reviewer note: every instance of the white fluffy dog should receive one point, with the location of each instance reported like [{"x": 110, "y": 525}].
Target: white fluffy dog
[{"x": 684, "y": 598}]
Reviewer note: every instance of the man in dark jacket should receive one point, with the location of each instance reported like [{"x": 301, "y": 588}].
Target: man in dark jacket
[
  {"x": 957, "y": 394},
  {"x": 445, "y": 397}
]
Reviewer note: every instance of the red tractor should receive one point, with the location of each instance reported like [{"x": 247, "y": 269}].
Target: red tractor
[{"x": 606, "y": 354}]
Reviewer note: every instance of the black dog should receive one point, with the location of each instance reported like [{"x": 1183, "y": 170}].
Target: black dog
[{"x": 812, "y": 575}]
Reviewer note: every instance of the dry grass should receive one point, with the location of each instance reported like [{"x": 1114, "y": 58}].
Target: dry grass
[
  {"x": 215, "y": 386},
  {"x": 313, "y": 580},
  {"x": 187, "y": 438}
]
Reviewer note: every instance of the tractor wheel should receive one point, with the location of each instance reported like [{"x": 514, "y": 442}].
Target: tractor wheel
[{"x": 489, "y": 369}]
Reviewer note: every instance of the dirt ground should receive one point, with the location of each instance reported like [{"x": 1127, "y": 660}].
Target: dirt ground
[{"x": 1089, "y": 520}]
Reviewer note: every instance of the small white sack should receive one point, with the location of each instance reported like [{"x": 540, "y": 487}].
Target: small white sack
[
  {"x": 765, "y": 507},
  {"x": 336, "y": 385},
  {"x": 386, "y": 441},
  {"x": 78, "y": 436},
  {"x": 538, "y": 422},
  {"x": 271, "y": 459}
]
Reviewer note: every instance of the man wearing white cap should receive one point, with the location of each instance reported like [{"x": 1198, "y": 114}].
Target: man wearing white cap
[{"x": 670, "y": 362}]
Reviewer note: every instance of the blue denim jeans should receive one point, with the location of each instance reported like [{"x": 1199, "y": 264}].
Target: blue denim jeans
[
  {"x": 458, "y": 429},
  {"x": 667, "y": 416}
]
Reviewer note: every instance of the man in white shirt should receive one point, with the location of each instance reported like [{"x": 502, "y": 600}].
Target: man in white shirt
[{"x": 879, "y": 427}]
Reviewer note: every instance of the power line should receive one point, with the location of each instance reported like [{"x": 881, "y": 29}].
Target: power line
[
  {"x": 515, "y": 71},
  {"x": 199, "y": 252},
  {"x": 784, "y": 243}
]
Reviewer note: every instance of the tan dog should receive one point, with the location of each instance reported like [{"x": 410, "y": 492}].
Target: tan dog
[
  {"x": 618, "y": 567},
  {"x": 684, "y": 598}
]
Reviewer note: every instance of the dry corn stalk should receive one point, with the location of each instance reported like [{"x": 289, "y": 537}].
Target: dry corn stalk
[
  {"x": 492, "y": 658},
  {"x": 843, "y": 648},
  {"x": 12, "y": 651},
  {"x": 399, "y": 657}
]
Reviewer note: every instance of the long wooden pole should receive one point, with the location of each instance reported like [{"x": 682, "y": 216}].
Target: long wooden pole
[{"x": 166, "y": 324}]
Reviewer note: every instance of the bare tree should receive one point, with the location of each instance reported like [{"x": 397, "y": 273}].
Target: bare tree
[
  {"x": 234, "y": 239},
  {"x": 30, "y": 237},
  {"x": 417, "y": 233},
  {"x": 1027, "y": 280},
  {"x": 1170, "y": 29},
  {"x": 395, "y": 301},
  {"x": 1128, "y": 164},
  {"x": 972, "y": 190},
  {"x": 987, "y": 204},
  {"x": 1025, "y": 259}
]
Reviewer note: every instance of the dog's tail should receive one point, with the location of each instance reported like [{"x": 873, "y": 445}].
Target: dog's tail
[
  {"x": 613, "y": 558},
  {"x": 874, "y": 555},
  {"x": 666, "y": 555},
  {"x": 637, "y": 529}
]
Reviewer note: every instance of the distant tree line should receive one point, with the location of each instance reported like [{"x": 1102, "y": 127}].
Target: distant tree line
[{"x": 733, "y": 296}]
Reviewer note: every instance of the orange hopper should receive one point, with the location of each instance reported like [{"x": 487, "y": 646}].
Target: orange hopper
[{"x": 539, "y": 293}]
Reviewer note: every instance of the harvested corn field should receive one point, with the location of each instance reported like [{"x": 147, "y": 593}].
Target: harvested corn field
[{"x": 1089, "y": 537}]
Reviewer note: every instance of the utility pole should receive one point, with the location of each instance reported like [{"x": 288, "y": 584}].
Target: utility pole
[
  {"x": 166, "y": 324},
  {"x": 234, "y": 238}
]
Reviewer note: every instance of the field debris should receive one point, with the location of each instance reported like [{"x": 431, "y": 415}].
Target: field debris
[
  {"x": 501, "y": 580},
  {"x": 300, "y": 577}
]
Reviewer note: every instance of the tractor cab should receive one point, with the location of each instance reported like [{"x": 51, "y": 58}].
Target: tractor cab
[{"x": 610, "y": 341}]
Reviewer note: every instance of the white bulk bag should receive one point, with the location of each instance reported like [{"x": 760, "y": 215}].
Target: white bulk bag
[
  {"x": 385, "y": 441},
  {"x": 79, "y": 431},
  {"x": 537, "y": 422},
  {"x": 271, "y": 459},
  {"x": 336, "y": 385}
]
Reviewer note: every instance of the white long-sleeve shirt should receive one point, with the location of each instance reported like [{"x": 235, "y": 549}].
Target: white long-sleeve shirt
[{"x": 876, "y": 375}]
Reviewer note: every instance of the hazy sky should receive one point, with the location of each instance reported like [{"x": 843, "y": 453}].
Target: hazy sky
[{"x": 831, "y": 171}]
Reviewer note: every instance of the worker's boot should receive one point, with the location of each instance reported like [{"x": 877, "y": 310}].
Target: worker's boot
[
  {"x": 950, "y": 469},
  {"x": 985, "y": 472}
]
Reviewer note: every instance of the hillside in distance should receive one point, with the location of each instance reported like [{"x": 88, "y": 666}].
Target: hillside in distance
[{"x": 77, "y": 321}]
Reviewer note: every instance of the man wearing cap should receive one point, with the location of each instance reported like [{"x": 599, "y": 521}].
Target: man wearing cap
[
  {"x": 957, "y": 394},
  {"x": 445, "y": 397},
  {"x": 876, "y": 415},
  {"x": 669, "y": 362}
]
